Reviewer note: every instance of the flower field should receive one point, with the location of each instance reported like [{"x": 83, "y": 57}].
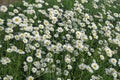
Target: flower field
[{"x": 60, "y": 40}]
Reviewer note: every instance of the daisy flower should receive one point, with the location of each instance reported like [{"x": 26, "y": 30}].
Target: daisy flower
[
  {"x": 113, "y": 61},
  {"x": 95, "y": 66},
  {"x": 29, "y": 59},
  {"x": 82, "y": 66},
  {"x": 58, "y": 0},
  {"x": 30, "y": 78},
  {"x": 17, "y": 20},
  {"x": 5, "y": 60},
  {"x": 3, "y": 8},
  {"x": 1, "y": 21}
]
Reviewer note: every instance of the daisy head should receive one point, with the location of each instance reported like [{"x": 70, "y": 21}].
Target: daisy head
[
  {"x": 30, "y": 78},
  {"x": 113, "y": 61},
  {"x": 29, "y": 59},
  {"x": 46, "y": 23},
  {"x": 58, "y": 0},
  {"x": 1, "y": 21},
  {"x": 3, "y": 8},
  {"x": 95, "y": 66},
  {"x": 17, "y": 20},
  {"x": 82, "y": 66}
]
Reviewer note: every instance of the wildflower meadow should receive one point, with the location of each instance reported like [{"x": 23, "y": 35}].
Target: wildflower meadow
[{"x": 60, "y": 40}]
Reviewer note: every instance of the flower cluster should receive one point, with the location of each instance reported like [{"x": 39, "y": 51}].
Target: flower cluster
[{"x": 66, "y": 44}]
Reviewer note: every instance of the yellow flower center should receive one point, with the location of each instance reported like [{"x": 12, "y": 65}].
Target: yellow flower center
[{"x": 16, "y": 19}]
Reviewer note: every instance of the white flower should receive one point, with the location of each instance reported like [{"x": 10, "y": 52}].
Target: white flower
[
  {"x": 69, "y": 67},
  {"x": 70, "y": 48},
  {"x": 17, "y": 20},
  {"x": 54, "y": 20},
  {"x": 5, "y": 78},
  {"x": 30, "y": 78},
  {"x": 1, "y": 21},
  {"x": 47, "y": 42},
  {"x": 3, "y": 8},
  {"x": 39, "y": 5},
  {"x": 116, "y": 14},
  {"x": 60, "y": 29},
  {"x": 58, "y": 0},
  {"x": 0, "y": 46},
  {"x": 25, "y": 67},
  {"x": 89, "y": 69},
  {"x": 82, "y": 66},
  {"x": 113, "y": 61},
  {"x": 8, "y": 30},
  {"x": 9, "y": 50},
  {"x": 119, "y": 62},
  {"x": 67, "y": 60},
  {"x": 114, "y": 74},
  {"x": 5, "y": 60},
  {"x": 20, "y": 51},
  {"x": 59, "y": 79},
  {"x": 89, "y": 53},
  {"x": 95, "y": 66},
  {"x": 41, "y": 1},
  {"x": 9, "y": 77},
  {"x": 1, "y": 28},
  {"x": 29, "y": 59},
  {"x": 38, "y": 55},
  {"x": 102, "y": 57},
  {"x": 25, "y": 3},
  {"x": 46, "y": 23},
  {"x": 66, "y": 72},
  {"x": 95, "y": 77},
  {"x": 41, "y": 26},
  {"x": 17, "y": 37},
  {"x": 78, "y": 34},
  {"x": 84, "y": 1},
  {"x": 34, "y": 70},
  {"x": 25, "y": 40},
  {"x": 15, "y": 11},
  {"x": 96, "y": 0},
  {"x": 87, "y": 16},
  {"x": 108, "y": 52}
]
